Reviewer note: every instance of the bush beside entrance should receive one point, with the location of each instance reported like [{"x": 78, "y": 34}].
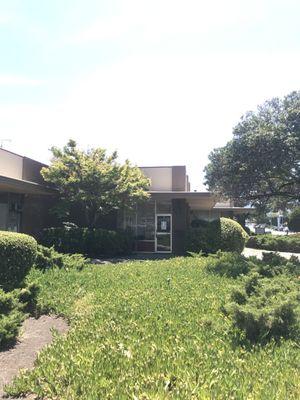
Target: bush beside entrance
[
  {"x": 221, "y": 234},
  {"x": 92, "y": 242}
]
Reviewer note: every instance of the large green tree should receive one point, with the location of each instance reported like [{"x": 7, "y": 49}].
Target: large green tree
[
  {"x": 93, "y": 182},
  {"x": 261, "y": 164}
]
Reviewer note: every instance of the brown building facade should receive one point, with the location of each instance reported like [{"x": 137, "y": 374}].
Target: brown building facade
[
  {"x": 25, "y": 199},
  {"x": 159, "y": 225}
]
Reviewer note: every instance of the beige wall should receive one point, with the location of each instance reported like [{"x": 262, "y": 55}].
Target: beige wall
[
  {"x": 18, "y": 167},
  {"x": 172, "y": 178},
  {"x": 161, "y": 177},
  {"x": 11, "y": 165}
]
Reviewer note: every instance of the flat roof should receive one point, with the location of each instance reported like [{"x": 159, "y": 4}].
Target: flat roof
[
  {"x": 21, "y": 186},
  {"x": 19, "y": 155}
]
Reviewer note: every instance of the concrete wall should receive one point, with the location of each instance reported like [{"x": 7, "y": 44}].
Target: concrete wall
[{"x": 11, "y": 165}]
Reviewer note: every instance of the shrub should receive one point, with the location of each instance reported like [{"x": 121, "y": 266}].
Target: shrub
[
  {"x": 233, "y": 236},
  {"x": 273, "y": 264},
  {"x": 290, "y": 243},
  {"x": 49, "y": 258},
  {"x": 227, "y": 264},
  {"x": 222, "y": 234},
  {"x": 92, "y": 242},
  {"x": 294, "y": 220},
  {"x": 266, "y": 308},
  {"x": 17, "y": 255},
  {"x": 247, "y": 230},
  {"x": 13, "y": 308}
]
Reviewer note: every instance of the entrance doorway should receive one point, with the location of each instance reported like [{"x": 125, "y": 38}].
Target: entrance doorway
[{"x": 163, "y": 233}]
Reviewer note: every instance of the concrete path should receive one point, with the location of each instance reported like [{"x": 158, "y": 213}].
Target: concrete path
[
  {"x": 258, "y": 253},
  {"x": 35, "y": 334}
]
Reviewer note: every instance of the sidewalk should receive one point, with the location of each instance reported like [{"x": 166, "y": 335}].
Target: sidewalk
[{"x": 258, "y": 253}]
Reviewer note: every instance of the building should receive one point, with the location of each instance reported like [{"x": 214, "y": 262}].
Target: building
[
  {"x": 159, "y": 225},
  {"x": 25, "y": 199}
]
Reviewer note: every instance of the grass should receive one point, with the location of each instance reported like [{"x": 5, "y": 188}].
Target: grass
[{"x": 152, "y": 330}]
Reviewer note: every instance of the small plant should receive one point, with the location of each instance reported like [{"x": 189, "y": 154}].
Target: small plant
[
  {"x": 227, "y": 264},
  {"x": 273, "y": 264},
  {"x": 14, "y": 307},
  {"x": 266, "y": 308},
  {"x": 49, "y": 258}
]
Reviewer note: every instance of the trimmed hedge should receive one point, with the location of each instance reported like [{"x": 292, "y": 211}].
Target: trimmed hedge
[
  {"x": 92, "y": 242},
  {"x": 294, "y": 220},
  {"x": 221, "y": 234},
  {"x": 17, "y": 255},
  {"x": 289, "y": 243}
]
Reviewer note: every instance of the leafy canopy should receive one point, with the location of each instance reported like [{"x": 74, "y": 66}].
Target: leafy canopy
[
  {"x": 94, "y": 181},
  {"x": 262, "y": 161}
]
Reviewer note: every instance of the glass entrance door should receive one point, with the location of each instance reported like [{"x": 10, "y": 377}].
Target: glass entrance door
[{"x": 163, "y": 234}]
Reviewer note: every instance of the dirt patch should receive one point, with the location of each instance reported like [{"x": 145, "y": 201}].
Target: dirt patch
[{"x": 35, "y": 334}]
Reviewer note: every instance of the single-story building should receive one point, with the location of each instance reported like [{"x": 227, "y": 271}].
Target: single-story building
[
  {"x": 25, "y": 199},
  {"x": 158, "y": 225}
]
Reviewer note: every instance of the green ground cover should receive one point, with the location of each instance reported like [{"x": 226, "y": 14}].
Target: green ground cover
[{"x": 152, "y": 330}]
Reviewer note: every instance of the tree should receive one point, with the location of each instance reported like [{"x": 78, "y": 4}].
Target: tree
[
  {"x": 94, "y": 182},
  {"x": 294, "y": 220},
  {"x": 261, "y": 164}
]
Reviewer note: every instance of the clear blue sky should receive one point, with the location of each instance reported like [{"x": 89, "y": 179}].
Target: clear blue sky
[{"x": 161, "y": 81}]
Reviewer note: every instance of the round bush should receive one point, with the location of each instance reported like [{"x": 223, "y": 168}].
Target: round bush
[
  {"x": 294, "y": 220},
  {"x": 17, "y": 255},
  {"x": 221, "y": 234},
  {"x": 233, "y": 236}
]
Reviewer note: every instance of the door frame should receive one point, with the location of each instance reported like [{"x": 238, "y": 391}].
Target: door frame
[{"x": 162, "y": 233}]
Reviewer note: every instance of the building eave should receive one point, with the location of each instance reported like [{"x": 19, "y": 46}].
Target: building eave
[
  {"x": 196, "y": 200},
  {"x": 243, "y": 210},
  {"x": 13, "y": 185}
]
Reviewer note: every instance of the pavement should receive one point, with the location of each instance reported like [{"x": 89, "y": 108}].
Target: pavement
[
  {"x": 258, "y": 253},
  {"x": 35, "y": 335}
]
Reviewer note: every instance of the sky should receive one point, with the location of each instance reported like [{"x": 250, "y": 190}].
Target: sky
[{"x": 163, "y": 82}]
